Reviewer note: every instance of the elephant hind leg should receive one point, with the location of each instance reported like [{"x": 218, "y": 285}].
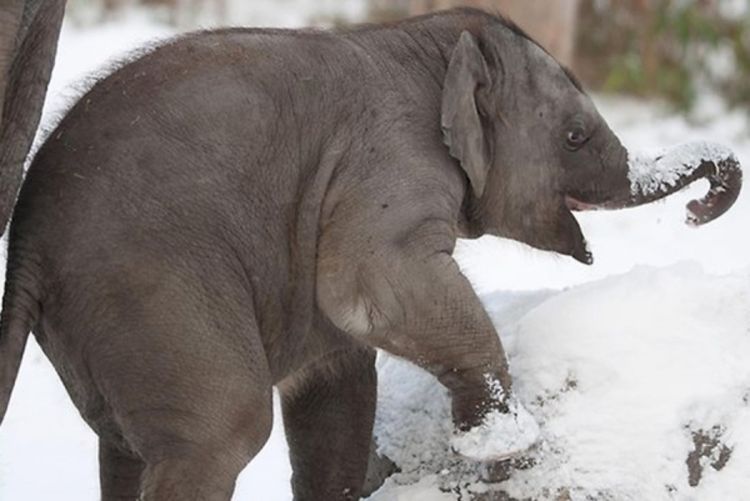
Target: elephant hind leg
[
  {"x": 329, "y": 409},
  {"x": 195, "y": 448},
  {"x": 189, "y": 387},
  {"x": 120, "y": 473},
  {"x": 210, "y": 417},
  {"x": 198, "y": 460},
  {"x": 195, "y": 476}
]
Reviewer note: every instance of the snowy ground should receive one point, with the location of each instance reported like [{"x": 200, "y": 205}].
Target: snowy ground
[{"x": 620, "y": 362}]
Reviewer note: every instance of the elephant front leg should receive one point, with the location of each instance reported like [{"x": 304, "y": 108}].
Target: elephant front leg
[{"x": 425, "y": 310}]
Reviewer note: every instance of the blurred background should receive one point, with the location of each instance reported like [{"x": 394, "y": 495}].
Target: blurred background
[
  {"x": 676, "y": 50},
  {"x": 661, "y": 72}
]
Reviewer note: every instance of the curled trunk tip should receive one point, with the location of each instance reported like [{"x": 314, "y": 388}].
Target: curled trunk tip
[{"x": 725, "y": 178}]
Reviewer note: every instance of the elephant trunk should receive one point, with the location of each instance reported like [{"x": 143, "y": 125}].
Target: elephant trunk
[
  {"x": 642, "y": 179},
  {"x": 653, "y": 178}
]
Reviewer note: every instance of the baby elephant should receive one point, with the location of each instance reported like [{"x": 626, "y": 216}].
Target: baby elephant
[{"x": 247, "y": 208}]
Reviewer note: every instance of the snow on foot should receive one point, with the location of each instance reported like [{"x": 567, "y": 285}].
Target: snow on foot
[{"x": 500, "y": 436}]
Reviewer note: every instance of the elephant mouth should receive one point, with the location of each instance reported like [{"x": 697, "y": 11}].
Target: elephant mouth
[
  {"x": 572, "y": 241},
  {"x": 576, "y": 205}
]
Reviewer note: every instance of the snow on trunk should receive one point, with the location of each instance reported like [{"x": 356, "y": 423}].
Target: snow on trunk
[
  {"x": 654, "y": 176},
  {"x": 651, "y": 173}
]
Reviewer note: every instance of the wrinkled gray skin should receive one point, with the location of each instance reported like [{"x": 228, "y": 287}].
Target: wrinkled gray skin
[
  {"x": 29, "y": 30},
  {"x": 28, "y": 42},
  {"x": 246, "y": 208}
]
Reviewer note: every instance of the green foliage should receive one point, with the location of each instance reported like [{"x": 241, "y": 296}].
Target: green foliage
[{"x": 669, "y": 49}]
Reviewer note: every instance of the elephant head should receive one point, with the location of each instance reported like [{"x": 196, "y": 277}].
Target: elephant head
[
  {"x": 534, "y": 148},
  {"x": 29, "y": 30}
]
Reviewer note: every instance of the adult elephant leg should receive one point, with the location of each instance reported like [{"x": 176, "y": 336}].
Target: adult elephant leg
[
  {"x": 329, "y": 409},
  {"x": 120, "y": 473},
  {"x": 28, "y": 43},
  {"x": 11, "y": 15}
]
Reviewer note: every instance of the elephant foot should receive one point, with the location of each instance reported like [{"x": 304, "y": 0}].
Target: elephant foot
[{"x": 501, "y": 435}]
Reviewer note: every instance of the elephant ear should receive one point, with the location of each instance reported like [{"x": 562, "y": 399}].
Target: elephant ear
[{"x": 463, "y": 132}]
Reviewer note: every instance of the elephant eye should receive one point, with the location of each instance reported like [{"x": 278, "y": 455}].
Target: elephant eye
[{"x": 576, "y": 136}]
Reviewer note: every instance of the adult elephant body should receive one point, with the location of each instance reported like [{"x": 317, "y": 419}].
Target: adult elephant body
[{"x": 240, "y": 208}]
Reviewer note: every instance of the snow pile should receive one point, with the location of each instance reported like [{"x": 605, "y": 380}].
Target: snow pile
[{"x": 626, "y": 376}]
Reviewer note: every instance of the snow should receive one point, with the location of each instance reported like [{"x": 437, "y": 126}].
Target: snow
[
  {"x": 618, "y": 373},
  {"x": 622, "y": 364},
  {"x": 501, "y": 435}
]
